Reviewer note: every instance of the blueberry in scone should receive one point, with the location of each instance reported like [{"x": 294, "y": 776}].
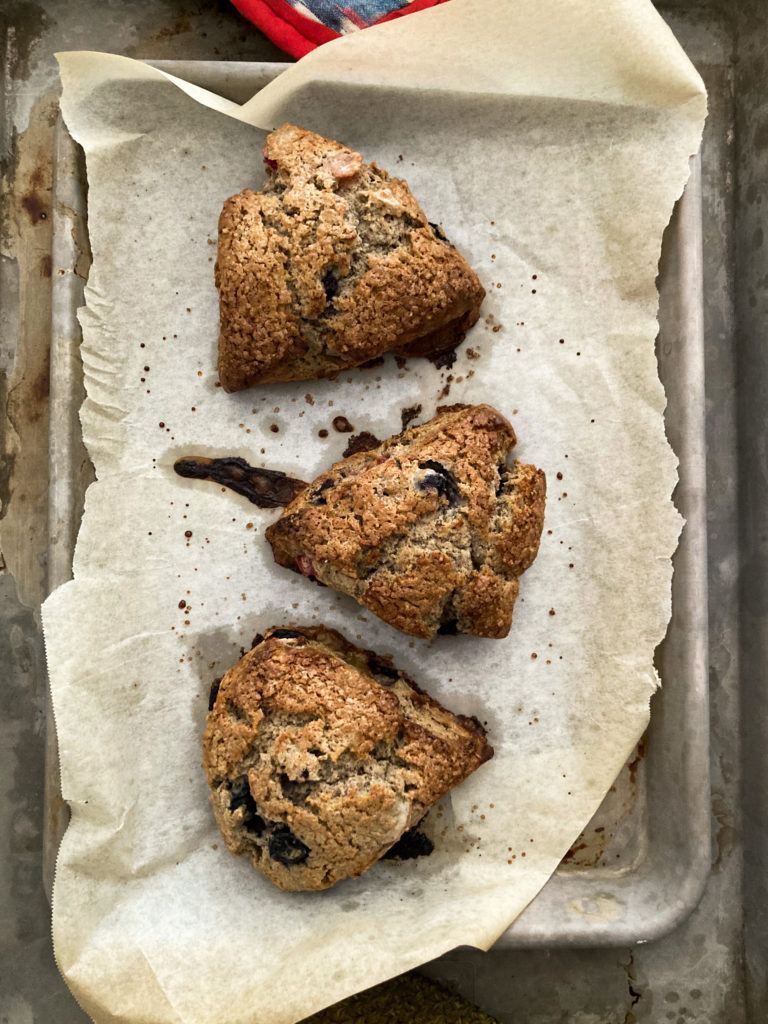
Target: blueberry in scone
[
  {"x": 430, "y": 530},
  {"x": 330, "y": 265},
  {"x": 320, "y": 756}
]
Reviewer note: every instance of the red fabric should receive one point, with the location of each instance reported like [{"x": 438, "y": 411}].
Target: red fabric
[
  {"x": 284, "y": 26},
  {"x": 297, "y": 34}
]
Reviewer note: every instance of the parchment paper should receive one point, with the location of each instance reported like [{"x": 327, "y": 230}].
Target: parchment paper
[{"x": 551, "y": 143}]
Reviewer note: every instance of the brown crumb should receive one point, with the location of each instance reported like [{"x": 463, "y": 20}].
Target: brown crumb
[{"x": 409, "y": 414}]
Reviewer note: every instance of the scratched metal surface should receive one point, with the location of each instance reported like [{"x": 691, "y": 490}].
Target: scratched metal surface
[{"x": 712, "y": 967}]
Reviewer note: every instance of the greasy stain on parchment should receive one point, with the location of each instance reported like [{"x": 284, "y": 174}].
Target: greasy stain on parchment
[{"x": 26, "y": 249}]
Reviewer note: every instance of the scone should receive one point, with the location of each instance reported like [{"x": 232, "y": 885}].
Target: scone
[
  {"x": 320, "y": 755},
  {"x": 430, "y": 531},
  {"x": 332, "y": 264}
]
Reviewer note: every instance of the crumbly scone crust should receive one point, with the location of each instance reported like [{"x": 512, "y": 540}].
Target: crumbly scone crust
[
  {"x": 320, "y": 755},
  {"x": 430, "y": 530},
  {"x": 333, "y": 263}
]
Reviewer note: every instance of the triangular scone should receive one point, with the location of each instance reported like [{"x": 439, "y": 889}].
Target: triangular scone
[
  {"x": 320, "y": 755},
  {"x": 332, "y": 264},
  {"x": 430, "y": 530}
]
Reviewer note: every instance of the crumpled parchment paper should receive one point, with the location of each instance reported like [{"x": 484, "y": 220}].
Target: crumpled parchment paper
[{"x": 550, "y": 141}]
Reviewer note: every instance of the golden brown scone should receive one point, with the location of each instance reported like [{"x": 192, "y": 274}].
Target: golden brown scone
[
  {"x": 320, "y": 755},
  {"x": 430, "y": 530},
  {"x": 333, "y": 263}
]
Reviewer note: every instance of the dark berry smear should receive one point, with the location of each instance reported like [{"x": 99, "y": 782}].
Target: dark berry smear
[
  {"x": 214, "y": 693},
  {"x": 411, "y": 844},
  {"x": 286, "y": 634},
  {"x": 267, "y": 488},
  {"x": 437, "y": 231}
]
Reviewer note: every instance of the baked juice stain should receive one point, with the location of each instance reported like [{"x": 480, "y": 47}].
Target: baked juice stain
[
  {"x": 35, "y": 207},
  {"x": 342, "y": 425},
  {"x": 365, "y": 441},
  {"x": 266, "y": 488}
]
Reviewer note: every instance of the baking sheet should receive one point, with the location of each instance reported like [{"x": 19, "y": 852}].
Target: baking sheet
[
  {"x": 617, "y": 883},
  {"x": 147, "y": 644}
]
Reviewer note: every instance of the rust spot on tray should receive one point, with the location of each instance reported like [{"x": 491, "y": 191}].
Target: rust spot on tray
[
  {"x": 634, "y": 764},
  {"x": 39, "y": 390},
  {"x": 179, "y": 27},
  {"x": 29, "y": 21},
  {"x": 592, "y": 845},
  {"x": 35, "y": 206},
  {"x": 26, "y": 240}
]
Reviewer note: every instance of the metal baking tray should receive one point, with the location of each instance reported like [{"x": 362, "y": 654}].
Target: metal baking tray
[{"x": 640, "y": 865}]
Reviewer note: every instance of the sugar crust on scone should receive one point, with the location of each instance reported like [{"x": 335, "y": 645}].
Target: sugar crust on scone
[
  {"x": 320, "y": 755},
  {"x": 430, "y": 531},
  {"x": 330, "y": 265}
]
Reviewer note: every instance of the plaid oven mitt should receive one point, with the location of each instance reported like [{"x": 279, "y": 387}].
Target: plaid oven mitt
[{"x": 298, "y": 26}]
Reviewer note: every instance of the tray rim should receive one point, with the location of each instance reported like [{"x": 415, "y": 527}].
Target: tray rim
[{"x": 574, "y": 908}]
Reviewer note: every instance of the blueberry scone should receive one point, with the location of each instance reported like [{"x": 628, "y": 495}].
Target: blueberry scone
[
  {"x": 430, "y": 530},
  {"x": 330, "y": 265},
  {"x": 320, "y": 755}
]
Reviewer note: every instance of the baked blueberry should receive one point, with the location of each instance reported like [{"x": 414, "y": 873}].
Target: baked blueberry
[
  {"x": 330, "y": 285},
  {"x": 240, "y": 796},
  {"x": 255, "y": 825},
  {"x": 449, "y": 627},
  {"x": 386, "y": 673},
  {"x": 286, "y": 848},
  {"x": 441, "y": 480},
  {"x": 238, "y": 791},
  {"x": 317, "y": 497}
]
